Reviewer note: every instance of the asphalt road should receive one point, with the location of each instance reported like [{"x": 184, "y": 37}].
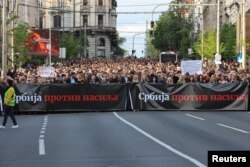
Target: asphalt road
[{"x": 122, "y": 139}]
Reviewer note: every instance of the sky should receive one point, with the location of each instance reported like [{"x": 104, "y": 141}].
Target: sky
[{"x": 130, "y": 24}]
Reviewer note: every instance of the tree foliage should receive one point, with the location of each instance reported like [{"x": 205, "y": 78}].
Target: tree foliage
[
  {"x": 82, "y": 43},
  {"x": 150, "y": 50},
  {"x": 228, "y": 38},
  {"x": 119, "y": 50},
  {"x": 70, "y": 42},
  {"x": 209, "y": 44},
  {"x": 21, "y": 34},
  {"x": 172, "y": 33}
]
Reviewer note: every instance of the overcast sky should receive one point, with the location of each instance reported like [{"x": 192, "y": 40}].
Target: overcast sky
[{"x": 136, "y": 22}]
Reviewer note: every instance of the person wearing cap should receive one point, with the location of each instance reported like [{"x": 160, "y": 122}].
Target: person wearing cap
[{"x": 9, "y": 104}]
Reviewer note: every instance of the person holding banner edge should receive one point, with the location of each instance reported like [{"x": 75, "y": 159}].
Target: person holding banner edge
[{"x": 9, "y": 104}]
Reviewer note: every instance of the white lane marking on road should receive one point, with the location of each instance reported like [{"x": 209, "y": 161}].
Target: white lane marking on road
[
  {"x": 41, "y": 137},
  {"x": 41, "y": 147},
  {"x": 168, "y": 147},
  {"x": 230, "y": 127},
  {"x": 195, "y": 117}
]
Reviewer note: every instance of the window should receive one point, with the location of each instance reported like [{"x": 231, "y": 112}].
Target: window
[
  {"x": 114, "y": 3},
  {"x": 101, "y": 42},
  {"x": 85, "y": 2},
  {"x": 100, "y": 2},
  {"x": 100, "y": 20},
  {"x": 40, "y": 4},
  {"x": 41, "y": 22},
  {"x": 57, "y": 21},
  {"x": 85, "y": 20},
  {"x": 58, "y": 3}
]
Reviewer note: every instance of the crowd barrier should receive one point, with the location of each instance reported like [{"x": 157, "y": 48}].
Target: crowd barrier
[{"x": 139, "y": 97}]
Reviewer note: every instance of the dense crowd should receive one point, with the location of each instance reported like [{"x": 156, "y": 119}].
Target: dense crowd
[{"x": 135, "y": 70}]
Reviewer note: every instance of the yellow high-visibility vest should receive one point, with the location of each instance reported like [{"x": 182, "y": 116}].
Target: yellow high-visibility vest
[{"x": 10, "y": 97}]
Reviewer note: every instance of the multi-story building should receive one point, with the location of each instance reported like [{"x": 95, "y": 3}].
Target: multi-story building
[
  {"x": 233, "y": 9},
  {"x": 197, "y": 16},
  {"x": 230, "y": 11},
  {"x": 97, "y": 17},
  {"x": 210, "y": 14}
]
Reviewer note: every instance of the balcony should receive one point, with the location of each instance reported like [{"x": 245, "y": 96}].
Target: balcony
[
  {"x": 42, "y": 12},
  {"x": 85, "y": 9},
  {"x": 100, "y": 9},
  {"x": 113, "y": 12},
  {"x": 97, "y": 28},
  {"x": 56, "y": 8}
]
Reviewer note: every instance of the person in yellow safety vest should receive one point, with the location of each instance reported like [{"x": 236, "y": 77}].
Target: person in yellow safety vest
[{"x": 9, "y": 103}]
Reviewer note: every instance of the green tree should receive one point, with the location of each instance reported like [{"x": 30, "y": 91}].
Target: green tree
[
  {"x": 228, "y": 38},
  {"x": 209, "y": 44},
  {"x": 150, "y": 50},
  {"x": 21, "y": 34},
  {"x": 119, "y": 49},
  {"x": 172, "y": 33},
  {"x": 82, "y": 43},
  {"x": 71, "y": 44}
]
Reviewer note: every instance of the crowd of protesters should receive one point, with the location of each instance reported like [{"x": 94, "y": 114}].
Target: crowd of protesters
[{"x": 132, "y": 69}]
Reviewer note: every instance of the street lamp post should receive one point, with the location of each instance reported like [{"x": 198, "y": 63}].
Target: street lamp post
[
  {"x": 50, "y": 41},
  {"x": 218, "y": 56},
  {"x": 12, "y": 38},
  {"x": 85, "y": 40},
  {"x": 133, "y": 44},
  {"x": 243, "y": 47},
  {"x": 202, "y": 33},
  {"x": 202, "y": 4},
  {"x": 152, "y": 18},
  {"x": 4, "y": 62},
  {"x": 49, "y": 45},
  {"x": 50, "y": 33}
]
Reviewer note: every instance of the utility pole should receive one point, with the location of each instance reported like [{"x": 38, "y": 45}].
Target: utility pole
[
  {"x": 243, "y": 45},
  {"x": 74, "y": 14},
  {"x": 202, "y": 37},
  {"x": 63, "y": 14},
  {"x": 218, "y": 28},
  {"x": 85, "y": 40},
  {"x": 12, "y": 37},
  {"x": 50, "y": 40},
  {"x": 4, "y": 60},
  {"x": 133, "y": 44},
  {"x": 202, "y": 33}
]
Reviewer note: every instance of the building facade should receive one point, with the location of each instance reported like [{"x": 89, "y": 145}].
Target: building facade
[
  {"x": 210, "y": 14},
  {"x": 230, "y": 12},
  {"x": 94, "y": 18},
  {"x": 99, "y": 18}
]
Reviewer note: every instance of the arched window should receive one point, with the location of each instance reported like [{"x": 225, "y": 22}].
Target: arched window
[
  {"x": 57, "y": 21},
  {"x": 85, "y": 2},
  {"x": 100, "y": 2},
  {"x": 101, "y": 42}
]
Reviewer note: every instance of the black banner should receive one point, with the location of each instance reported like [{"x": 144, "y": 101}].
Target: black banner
[
  {"x": 152, "y": 97},
  {"x": 191, "y": 96},
  {"x": 69, "y": 97},
  {"x": 29, "y": 97}
]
